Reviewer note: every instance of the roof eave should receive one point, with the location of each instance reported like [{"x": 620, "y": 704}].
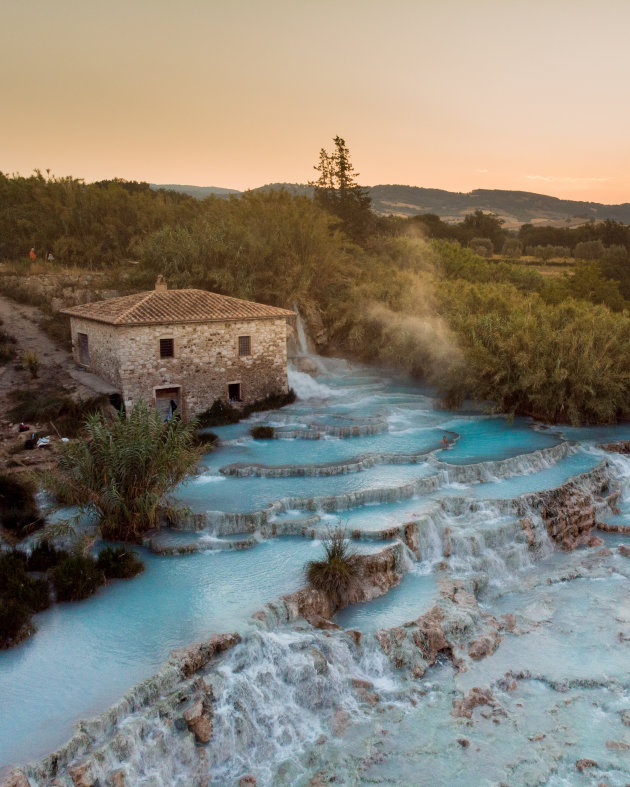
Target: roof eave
[{"x": 92, "y": 318}]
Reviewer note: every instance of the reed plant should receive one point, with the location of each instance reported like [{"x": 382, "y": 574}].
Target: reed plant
[{"x": 125, "y": 470}]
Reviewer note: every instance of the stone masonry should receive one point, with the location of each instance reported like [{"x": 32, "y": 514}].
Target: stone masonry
[
  {"x": 205, "y": 361},
  {"x": 205, "y": 358}
]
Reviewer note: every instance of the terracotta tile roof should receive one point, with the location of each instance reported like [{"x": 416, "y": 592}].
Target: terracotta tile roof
[{"x": 166, "y": 306}]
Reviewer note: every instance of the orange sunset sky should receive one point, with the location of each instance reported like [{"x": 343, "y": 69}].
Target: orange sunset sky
[{"x": 453, "y": 94}]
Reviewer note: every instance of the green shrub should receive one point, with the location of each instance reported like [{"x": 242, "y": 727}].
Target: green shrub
[
  {"x": 270, "y": 402},
  {"x": 57, "y": 326},
  {"x": 18, "y": 508},
  {"x": 512, "y": 248},
  {"x": 207, "y": 439},
  {"x": 12, "y": 569},
  {"x": 119, "y": 563},
  {"x": 76, "y": 577},
  {"x": 45, "y": 555},
  {"x": 219, "y": 414},
  {"x": 482, "y": 246},
  {"x": 124, "y": 473},
  {"x": 16, "y": 585},
  {"x": 31, "y": 361},
  {"x": 338, "y": 573},
  {"x": 15, "y": 618},
  {"x": 7, "y": 348},
  {"x": 262, "y": 432}
]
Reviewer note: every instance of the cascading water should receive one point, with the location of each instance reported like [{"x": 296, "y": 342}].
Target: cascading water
[{"x": 483, "y": 566}]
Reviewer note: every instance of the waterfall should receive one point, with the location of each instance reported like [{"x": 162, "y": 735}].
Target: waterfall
[
  {"x": 304, "y": 344},
  {"x": 304, "y": 359},
  {"x": 306, "y": 387}
]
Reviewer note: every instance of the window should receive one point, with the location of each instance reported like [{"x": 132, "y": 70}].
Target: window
[
  {"x": 166, "y": 348},
  {"x": 84, "y": 351},
  {"x": 244, "y": 345}
]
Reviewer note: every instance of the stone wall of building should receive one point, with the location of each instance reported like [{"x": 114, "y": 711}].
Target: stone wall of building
[
  {"x": 205, "y": 361},
  {"x": 103, "y": 348}
]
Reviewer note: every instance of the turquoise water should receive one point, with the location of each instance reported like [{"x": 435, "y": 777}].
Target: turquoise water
[
  {"x": 209, "y": 492},
  {"x": 494, "y": 438},
  {"x": 309, "y": 452},
  {"x": 86, "y": 655},
  {"x": 549, "y": 478},
  {"x": 416, "y": 592}
]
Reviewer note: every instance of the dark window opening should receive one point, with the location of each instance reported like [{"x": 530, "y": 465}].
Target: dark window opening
[
  {"x": 167, "y": 349},
  {"x": 117, "y": 402},
  {"x": 84, "y": 352},
  {"x": 234, "y": 392},
  {"x": 244, "y": 345}
]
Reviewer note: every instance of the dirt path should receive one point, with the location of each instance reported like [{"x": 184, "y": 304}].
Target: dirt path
[{"x": 57, "y": 367}]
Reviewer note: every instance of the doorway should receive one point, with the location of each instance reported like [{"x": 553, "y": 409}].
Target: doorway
[
  {"x": 234, "y": 392},
  {"x": 168, "y": 402},
  {"x": 84, "y": 349}
]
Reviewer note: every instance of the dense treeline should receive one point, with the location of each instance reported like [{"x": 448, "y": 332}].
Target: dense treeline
[
  {"x": 608, "y": 233},
  {"x": 556, "y": 348},
  {"x": 83, "y": 224}
]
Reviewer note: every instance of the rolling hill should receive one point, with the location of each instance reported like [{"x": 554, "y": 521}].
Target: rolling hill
[{"x": 515, "y": 207}]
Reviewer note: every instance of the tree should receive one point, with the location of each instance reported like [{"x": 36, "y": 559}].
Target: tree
[
  {"x": 337, "y": 191},
  {"x": 512, "y": 248},
  {"x": 589, "y": 250},
  {"x": 481, "y": 246},
  {"x": 484, "y": 225}
]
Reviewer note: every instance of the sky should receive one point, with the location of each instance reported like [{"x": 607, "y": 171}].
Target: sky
[{"x": 454, "y": 94}]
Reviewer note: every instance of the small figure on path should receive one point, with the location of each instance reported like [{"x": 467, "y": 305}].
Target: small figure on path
[
  {"x": 32, "y": 254},
  {"x": 50, "y": 257}
]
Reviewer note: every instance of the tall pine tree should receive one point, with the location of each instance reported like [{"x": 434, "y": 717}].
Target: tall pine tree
[{"x": 337, "y": 191}]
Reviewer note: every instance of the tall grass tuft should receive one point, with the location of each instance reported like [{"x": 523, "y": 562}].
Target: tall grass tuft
[
  {"x": 337, "y": 575},
  {"x": 125, "y": 471}
]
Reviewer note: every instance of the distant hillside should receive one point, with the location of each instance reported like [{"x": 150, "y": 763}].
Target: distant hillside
[
  {"x": 200, "y": 192},
  {"x": 294, "y": 188},
  {"x": 515, "y": 207}
]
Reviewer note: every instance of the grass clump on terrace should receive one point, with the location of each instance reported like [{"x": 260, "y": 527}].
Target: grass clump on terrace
[
  {"x": 124, "y": 472},
  {"x": 337, "y": 575}
]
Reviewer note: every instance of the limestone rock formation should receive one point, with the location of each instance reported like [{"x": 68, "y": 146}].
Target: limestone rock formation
[
  {"x": 463, "y": 708},
  {"x": 196, "y": 656}
]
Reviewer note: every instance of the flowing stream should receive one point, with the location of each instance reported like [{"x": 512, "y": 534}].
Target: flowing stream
[{"x": 293, "y": 705}]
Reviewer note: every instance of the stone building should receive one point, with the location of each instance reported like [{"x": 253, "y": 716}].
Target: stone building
[{"x": 183, "y": 348}]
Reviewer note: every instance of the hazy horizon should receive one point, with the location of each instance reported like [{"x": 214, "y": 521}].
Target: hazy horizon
[{"x": 526, "y": 96}]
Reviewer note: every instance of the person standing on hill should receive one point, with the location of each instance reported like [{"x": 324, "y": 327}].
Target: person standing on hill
[{"x": 32, "y": 254}]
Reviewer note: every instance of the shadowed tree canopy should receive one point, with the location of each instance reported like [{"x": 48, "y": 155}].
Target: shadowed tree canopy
[{"x": 337, "y": 191}]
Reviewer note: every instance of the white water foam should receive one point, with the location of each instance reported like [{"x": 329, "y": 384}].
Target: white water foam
[{"x": 306, "y": 387}]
